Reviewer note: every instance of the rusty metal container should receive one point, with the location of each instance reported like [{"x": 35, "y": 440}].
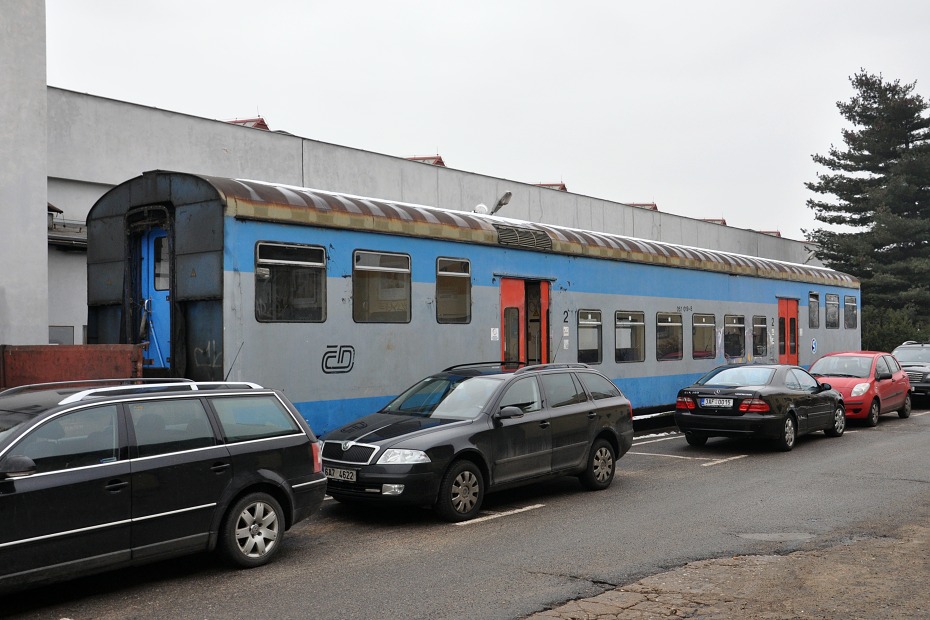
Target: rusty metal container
[{"x": 25, "y": 364}]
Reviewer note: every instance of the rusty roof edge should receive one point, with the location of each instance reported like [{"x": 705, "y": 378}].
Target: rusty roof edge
[{"x": 560, "y": 243}]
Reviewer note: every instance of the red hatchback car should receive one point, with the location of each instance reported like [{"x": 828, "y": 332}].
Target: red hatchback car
[{"x": 871, "y": 382}]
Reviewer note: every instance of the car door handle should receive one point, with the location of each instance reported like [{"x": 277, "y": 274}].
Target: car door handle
[
  {"x": 219, "y": 468},
  {"x": 115, "y": 486},
  {"x": 544, "y": 424},
  {"x": 592, "y": 415}
]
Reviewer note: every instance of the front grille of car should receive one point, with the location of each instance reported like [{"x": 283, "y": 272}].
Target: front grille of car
[
  {"x": 353, "y": 453},
  {"x": 915, "y": 377}
]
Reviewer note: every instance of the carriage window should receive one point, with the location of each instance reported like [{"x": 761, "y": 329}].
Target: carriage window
[
  {"x": 759, "y": 340},
  {"x": 630, "y": 336},
  {"x": 162, "y": 264},
  {"x": 703, "y": 336},
  {"x": 512, "y": 334},
  {"x": 833, "y": 311},
  {"x": 669, "y": 336},
  {"x": 453, "y": 290},
  {"x": 589, "y": 336},
  {"x": 850, "y": 313},
  {"x": 290, "y": 283},
  {"x": 381, "y": 287},
  {"x": 734, "y": 336},
  {"x": 813, "y": 310}
]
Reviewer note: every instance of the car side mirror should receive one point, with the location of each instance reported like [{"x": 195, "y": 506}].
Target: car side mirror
[
  {"x": 17, "y": 465},
  {"x": 881, "y": 376},
  {"x": 509, "y": 412},
  {"x": 825, "y": 386}
]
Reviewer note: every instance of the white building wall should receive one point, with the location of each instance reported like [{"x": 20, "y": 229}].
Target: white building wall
[{"x": 23, "y": 253}]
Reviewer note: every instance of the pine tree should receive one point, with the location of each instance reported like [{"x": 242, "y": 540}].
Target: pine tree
[{"x": 881, "y": 183}]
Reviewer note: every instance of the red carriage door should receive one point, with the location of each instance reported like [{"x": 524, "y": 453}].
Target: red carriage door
[
  {"x": 524, "y": 321},
  {"x": 787, "y": 331}
]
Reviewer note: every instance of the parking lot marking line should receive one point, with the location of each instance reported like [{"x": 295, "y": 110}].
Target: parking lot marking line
[
  {"x": 642, "y": 443},
  {"x": 498, "y": 515},
  {"x": 917, "y": 415},
  {"x": 732, "y": 458},
  {"x": 674, "y": 456}
]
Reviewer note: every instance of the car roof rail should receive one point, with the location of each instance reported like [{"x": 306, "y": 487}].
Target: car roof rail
[
  {"x": 551, "y": 366},
  {"x": 160, "y": 387},
  {"x": 477, "y": 364},
  {"x": 910, "y": 342},
  {"x": 79, "y": 382}
]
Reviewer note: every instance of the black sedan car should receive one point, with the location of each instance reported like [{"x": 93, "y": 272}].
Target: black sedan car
[
  {"x": 773, "y": 401},
  {"x": 472, "y": 429}
]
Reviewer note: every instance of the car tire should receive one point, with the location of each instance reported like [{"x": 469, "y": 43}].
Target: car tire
[
  {"x": 789, "y": 434},
  {"x": 874, "y": 411},
  {"x": 695, "y": 439},
  {"x": 252, "y": 530},
  {"x": 905, "y": 410},
  {"x": 602, "y": 463},
  {"x": 461, "y": 492},
  {"x": 839, "y": 422}
]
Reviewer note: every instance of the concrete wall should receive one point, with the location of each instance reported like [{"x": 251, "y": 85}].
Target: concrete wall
[{"x": 23, "y": 253}]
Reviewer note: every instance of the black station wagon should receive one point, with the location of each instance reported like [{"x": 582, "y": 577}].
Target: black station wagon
[
  {"x": 477, "y": 428},
  {"x": 101, "y": 477}
]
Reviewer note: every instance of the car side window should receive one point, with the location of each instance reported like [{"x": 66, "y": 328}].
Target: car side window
[
  {"x": 253, "y": 417},
  {"x": 77, "y": 439},
  {"x": 562, "y": 389},
  {"x": 804, "y": 381},
  {"x": 881, "y": 366},
  {"x": 892, "y": 363},
  {"x": 598, "y": 386},
  {"x": 164, "y": 426},
  {"x": 523, "y": 393}
]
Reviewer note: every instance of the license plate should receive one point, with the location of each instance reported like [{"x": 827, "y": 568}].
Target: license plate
[
  {"x": 716, "y": 402},
  {"x": 347, "y": 475}
]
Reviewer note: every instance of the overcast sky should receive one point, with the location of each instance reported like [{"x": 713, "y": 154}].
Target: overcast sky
[{"x": 710, "y": 109}]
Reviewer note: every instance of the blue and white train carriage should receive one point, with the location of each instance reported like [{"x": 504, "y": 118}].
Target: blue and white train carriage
[{"x": 343, "y": 301}]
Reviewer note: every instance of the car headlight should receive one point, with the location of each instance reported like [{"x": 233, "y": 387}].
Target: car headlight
[
  {"x": 860, "y": 389},
  {"x": 396, "y": 456}
]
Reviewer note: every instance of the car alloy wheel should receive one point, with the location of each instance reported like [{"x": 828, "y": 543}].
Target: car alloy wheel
[
  {"x": 839, "y": 422},
  {"x": 874, "y": 412},
  {"x": 905, "y": 410},
  {"x": 601, "y": 466},
  {"x": 789, "y": 434},
  {"x": 461, "y": 492},
  {"x": 253, "y": 530}
]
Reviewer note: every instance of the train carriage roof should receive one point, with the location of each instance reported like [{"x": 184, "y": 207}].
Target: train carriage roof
[{"x": 257, "y": 200}]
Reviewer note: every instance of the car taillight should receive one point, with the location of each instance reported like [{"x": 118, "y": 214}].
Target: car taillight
[
  {"x": 754, "y": 405},
  {"x": 317, "y": 453},
  {"x": 684, "y": 402}
]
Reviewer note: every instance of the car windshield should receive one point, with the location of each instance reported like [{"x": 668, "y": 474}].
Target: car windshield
[
  {"x": 853, "y": 366},
  {"x": 742, "y": 375},
  {"x": 455, "y": 397},
  {"x": 917, "y": 354}
]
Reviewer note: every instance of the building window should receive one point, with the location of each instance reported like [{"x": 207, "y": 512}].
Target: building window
[
  {"x": 833, "y": 311},
  {"x": 380, "y": 287},
  {"x": 453, "y": 290},
  {"x": 669, "y": 336},
  {"x": 734, "y": 336},
  {"x": 850, "y": 312},
  {"x": 703, "y": 336},
  {"x": 290, "y": 283},
  {"x": 759, "y": 340},
  {"x": 630, "y": 336},
  {"x": 61, "y": 334},
  {"x": 589, "y": 336},
  {"x": 813, "y": 310}
]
